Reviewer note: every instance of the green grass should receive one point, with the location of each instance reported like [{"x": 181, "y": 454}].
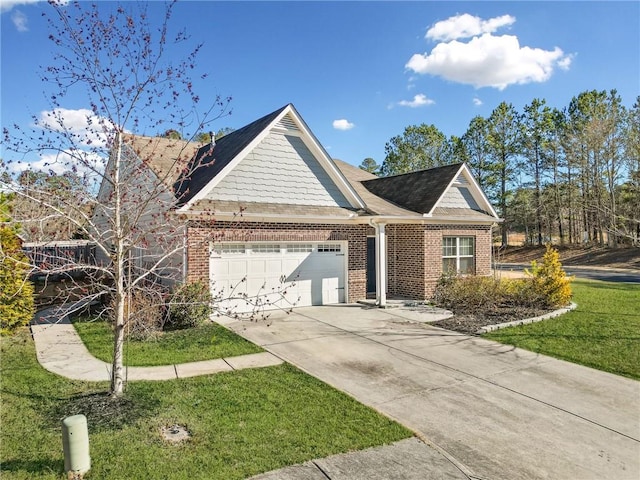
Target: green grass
[
  {"x": 243, "y": 422},
  {"x": 603, "y": 332},
  {"x": 190, "y": 345}
]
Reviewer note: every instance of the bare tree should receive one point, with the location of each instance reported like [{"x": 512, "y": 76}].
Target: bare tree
[{"x": 117, "y": 57}]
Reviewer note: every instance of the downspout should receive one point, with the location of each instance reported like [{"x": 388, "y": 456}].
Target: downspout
[
  {"x": 184, "y": 254},
  {"x": 381, "y": 263}
]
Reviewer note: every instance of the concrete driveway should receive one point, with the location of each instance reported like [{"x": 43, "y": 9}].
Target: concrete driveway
[{"x": 497, "y": 412}]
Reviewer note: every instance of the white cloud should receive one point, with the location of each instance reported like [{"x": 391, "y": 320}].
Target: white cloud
[
  {"x": 565, "y": 62},
  {"x": 78, "y": 161},
  {"x": 20, "y": 21},
  {"x": 343, "y": 124},
  {"x": 485, "y": 60},
  {"x": 81, "y": 128},
  {"x": 82, "y": 125},
  {"x": 7, "y": 5},
  {"x": 477, "y": 102},
  {"x": 465, "y": 26},
  {"x": 419, "y": 100},
  {"x": 46, "y": 163}
]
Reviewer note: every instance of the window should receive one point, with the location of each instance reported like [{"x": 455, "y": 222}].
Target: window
[
  {"x": 265, "y": 248},
  {"x": 233, "y": 248},
  {"x": 329, "y": 247},
  {"x": 300, "y": 247},
  {"x": 458, "y": 255}
]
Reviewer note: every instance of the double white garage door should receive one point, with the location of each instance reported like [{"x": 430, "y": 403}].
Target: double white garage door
[{"x": 256, "y": 276}]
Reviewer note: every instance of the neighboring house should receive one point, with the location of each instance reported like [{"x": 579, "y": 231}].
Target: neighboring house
[
  {"x": 270, "y": 217},
  {"x": 148, "y": 202}
]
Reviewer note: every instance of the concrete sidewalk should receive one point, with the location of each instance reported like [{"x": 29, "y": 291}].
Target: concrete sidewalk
[
  {"x": 496, "y": 411},
  {"x": 408, "y": 459},
  {"x": 60, "y": 350}
]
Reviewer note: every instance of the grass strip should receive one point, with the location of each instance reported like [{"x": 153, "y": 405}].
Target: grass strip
[
  {"x": 242, "y": 422},
  {"x": 206, "y": 342},
  {"x": 603, "y": 332}
]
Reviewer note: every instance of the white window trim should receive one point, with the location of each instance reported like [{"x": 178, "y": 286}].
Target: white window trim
[{"x": 458, "y": 256}]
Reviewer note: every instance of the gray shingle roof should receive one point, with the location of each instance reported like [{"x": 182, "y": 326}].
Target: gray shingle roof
[
  {"x": 416, "y": 191},
  {"x": 375, "y": 205},
  {"x": 209, "y": 162},
  {"x": 189, "y": 168},
  {"x": 166, "y": 157}
]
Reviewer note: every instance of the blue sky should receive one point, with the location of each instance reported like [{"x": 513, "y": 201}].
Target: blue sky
[{"x": 360, "y": 72}]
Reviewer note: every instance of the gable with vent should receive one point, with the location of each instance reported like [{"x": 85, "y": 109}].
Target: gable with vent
[
  {"x": 464, "y": 193},
  {"x": 282, "y": 164}
]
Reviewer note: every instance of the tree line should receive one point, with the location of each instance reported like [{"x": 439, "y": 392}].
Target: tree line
[{"x": 569, "y": 175}]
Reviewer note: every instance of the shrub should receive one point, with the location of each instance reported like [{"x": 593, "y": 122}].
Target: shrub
[
  {"x": 467, "y": 293},
  {"x": 16, "y": 291},
  {"x": 147, "y": 315},
  {"x": 190, "y": 306},
  {"x": 519, "y": 292},
  {"x": 486, "y": 294},
  {"x": 550, "y": 281}
]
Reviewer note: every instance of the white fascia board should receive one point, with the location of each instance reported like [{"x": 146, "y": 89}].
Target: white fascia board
[
  {"x": 352, "y": 219},
  {"x": 461, "y": 221},
  {"x": 328, "y": 164},
  {"x": 104, "y": 183},
  {"x": 233, "y": 163},
  {"x": 419, "y": 219},
  {"x": 273, "y": 218}
]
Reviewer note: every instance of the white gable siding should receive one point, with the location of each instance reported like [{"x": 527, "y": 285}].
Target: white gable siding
[
  {"x": 458, "y": 197},
  {"x": 281, "y": 169}
]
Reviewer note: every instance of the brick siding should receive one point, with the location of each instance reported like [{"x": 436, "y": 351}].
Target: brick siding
[
  {"x": 414, "y": 252},
  {"x": 201, "y": 234},
  {"x": 433, "y": 250}
]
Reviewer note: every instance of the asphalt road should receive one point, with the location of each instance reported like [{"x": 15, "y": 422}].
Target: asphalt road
[{"x": 628, "y": 276}]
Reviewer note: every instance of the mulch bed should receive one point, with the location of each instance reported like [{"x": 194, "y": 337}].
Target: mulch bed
[{"x": 470, "y": 323}]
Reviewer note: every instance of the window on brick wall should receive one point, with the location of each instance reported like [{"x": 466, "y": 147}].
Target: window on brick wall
[{"x": 458, "y": 255}]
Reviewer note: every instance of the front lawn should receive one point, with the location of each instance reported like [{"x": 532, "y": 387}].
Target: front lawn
[
  {"x": 242, "y": 422},
  {"x": 603, "y": 332},
  {"x": 206, "y": 342}
]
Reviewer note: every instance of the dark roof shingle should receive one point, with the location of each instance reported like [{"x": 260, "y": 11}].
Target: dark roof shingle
[
  {"x": 207, "y": 163},
  {"x": 416, "y": 191}
]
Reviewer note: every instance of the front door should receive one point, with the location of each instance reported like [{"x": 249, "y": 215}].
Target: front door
[{"x": 371, "y": 265}]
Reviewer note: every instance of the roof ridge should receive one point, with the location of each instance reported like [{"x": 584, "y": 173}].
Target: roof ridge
[{"x": 423, "y": 170}]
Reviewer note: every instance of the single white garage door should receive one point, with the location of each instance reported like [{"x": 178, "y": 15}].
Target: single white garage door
[{"x": 256, "y": 276}]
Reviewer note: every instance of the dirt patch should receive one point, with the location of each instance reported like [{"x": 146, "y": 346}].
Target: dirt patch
[
  {"x": 628, "y": 257},
  {"x": 175, "y": 434},
  {"x": 471, "y": 323}
]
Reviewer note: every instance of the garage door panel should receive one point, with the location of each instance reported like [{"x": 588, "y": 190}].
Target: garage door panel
[
  {"x": 304, "y": 292},
  {"x": 222, "y": 267},
  {"x": 274, "y": 265},
  {"x": 289, "y": 265},
  {"x": 236, "y": 267},
  {"x": 330, "y": 292},
  {"x": 256, "y": 267}
]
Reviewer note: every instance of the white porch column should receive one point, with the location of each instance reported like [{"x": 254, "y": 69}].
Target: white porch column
[{"x": 381, "y": 265}]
